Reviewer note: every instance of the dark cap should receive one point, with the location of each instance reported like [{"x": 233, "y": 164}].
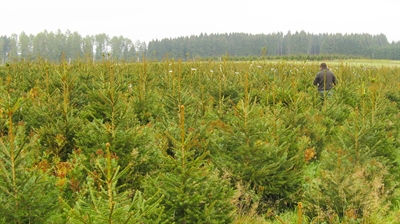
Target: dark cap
[{"x": 323, "y": 65}]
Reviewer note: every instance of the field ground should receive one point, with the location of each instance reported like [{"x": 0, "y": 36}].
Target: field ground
[
  {"x": 365, "y": 62},
  {"x": 370, "y": 62}
]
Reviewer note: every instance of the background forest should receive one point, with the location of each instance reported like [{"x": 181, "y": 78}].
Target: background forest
[
  {"x": 239, "y": 46},
  {"x": 197, "y": 142}
]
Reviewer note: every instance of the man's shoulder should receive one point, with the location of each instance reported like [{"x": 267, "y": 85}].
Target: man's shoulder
[
  {"x": 325, "y": 71},
  {"x": 329, "y": 71}
]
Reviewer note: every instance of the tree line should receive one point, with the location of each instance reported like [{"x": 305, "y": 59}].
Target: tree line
[
  {"x": 243, "y": 45},
  {"x": 57, "y": 46}
]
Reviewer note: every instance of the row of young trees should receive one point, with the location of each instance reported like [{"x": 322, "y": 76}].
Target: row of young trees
[
  {"x": 71, "y": 45},
  {"x": 197, "y": 142}
]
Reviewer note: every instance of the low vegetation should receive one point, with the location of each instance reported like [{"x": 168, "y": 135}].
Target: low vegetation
[{"x": 198, "y": 142}]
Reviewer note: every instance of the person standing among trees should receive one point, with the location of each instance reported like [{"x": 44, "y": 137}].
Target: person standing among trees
[{"x": 325, "y": 80}]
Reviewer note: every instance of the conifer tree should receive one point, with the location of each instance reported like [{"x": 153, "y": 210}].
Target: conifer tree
[
  {"x": 27, "y": 191},
  {"x": 358, "y": 171},
  {"x": 51, "y": 111},
  {"x": 192, "y": 190},
  {"x": 110, "y": 117},
  {"x": 262, "y": 151},
  {"x": 101, "y": 199}
]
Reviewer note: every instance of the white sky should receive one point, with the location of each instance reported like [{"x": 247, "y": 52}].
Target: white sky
[{"x": 146, "y": 20}]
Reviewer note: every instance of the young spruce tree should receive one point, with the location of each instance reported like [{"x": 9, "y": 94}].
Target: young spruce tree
[
  {"x": 102, "y": 200},
  {"x": 27, "y": 192},
  {"x": 192, "y": 189}
]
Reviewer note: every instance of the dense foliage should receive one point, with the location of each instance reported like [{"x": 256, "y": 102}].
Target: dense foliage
[
  {"x": 197, "y": 142},
  {"x": 239, "y": 46},
  {"x": 242, "y": 46}
]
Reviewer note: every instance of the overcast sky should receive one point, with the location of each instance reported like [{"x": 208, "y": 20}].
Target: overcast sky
[{"x": 146, "y": 20}]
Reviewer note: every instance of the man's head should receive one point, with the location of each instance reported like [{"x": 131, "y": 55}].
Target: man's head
[{"x": 323, "y": 65}]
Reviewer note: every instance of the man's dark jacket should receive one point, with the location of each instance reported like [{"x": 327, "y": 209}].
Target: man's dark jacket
[{"x": 325, "y": 79}]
